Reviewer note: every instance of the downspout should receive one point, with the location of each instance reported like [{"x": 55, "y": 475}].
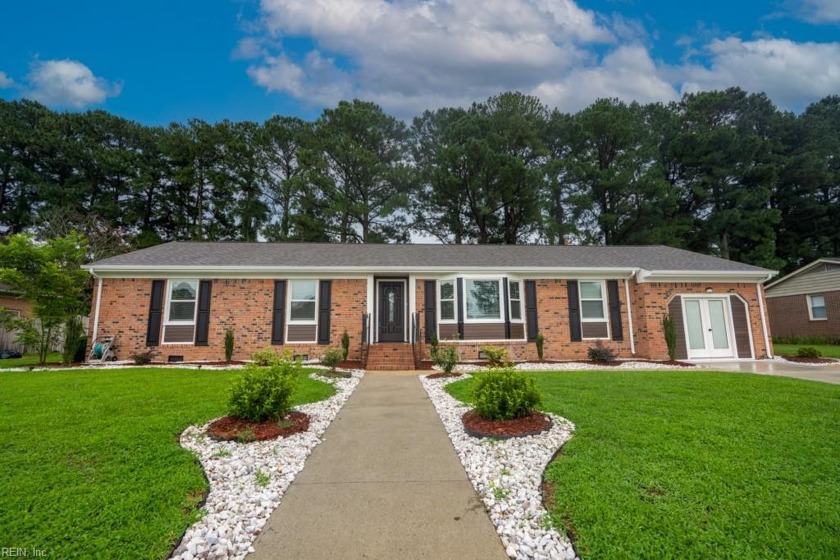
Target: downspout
[
  {"x": 763, "y": 319},
  {"x": 96, "y": 311},
  {"x": 630, "y": 313}
]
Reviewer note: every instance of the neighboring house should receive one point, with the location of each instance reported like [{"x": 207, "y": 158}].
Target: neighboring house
[
  {"x": 12, "y": 300},
  {"x": 181, "y": 298},
  {"x": 806, "y": 302}
]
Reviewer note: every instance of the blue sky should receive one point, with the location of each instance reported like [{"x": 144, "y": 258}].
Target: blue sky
[{"x": 157, "y": 62}]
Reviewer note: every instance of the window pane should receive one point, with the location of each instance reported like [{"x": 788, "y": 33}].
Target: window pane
[
  {"x": 303, "y": 311},
  {"x": 817, "y": 301},
  {"x": 819, "y": 313},
  {"x": 483, "y": 299},
  {"x": 303, "y": 290},
  {"x": 182, "y": 311},
  {"x": 696, "y": 340},
  {"x": 717, "y": 317},
  {"x": 515, "y": 309},
  {"x": 514, "y": 290},
  {"x": 447, "y": 290},
  {"x": 183, "y": 290},
  {"x": 447, "y": 311},
  {"x": 590, "y": 290},
  {"x": 592, "y": 309}
]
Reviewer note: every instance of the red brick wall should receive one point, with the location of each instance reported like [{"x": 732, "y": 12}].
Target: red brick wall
[
  {"x": 16, "y": 304},
  {"x": 244, "y": 306},
  {"x": 789, "y": 316}
]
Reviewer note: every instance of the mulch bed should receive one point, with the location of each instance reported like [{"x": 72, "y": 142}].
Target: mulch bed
[
  {"x": 441, "y": 375},
  {"x": 426, "y": 365},
  {"x": 802, "y": 360},
  {"x": 229, "y": 427},
  {"x": 350, "y": 364},
  {"x": 532, "y": 424}
]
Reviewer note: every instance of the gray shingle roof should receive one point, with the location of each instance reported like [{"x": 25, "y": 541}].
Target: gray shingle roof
[{"x": 337, "y": 256}]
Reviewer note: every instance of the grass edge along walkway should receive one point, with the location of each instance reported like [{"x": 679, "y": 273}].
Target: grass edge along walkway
[
  {"x": 91, "y": 464},
  {"x": 673, "y": 464}
]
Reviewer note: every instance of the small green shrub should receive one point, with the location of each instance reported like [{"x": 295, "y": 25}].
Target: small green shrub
[
  {"x": 264, "y": 393},
  {"x": 831, "y": 340},
  {"x": 669, "y": 328},
  {"x": 497, "y": 356},
  {"x": 601, "y": 353},
  {"x": 74, "y": 332},
  {"x": 267, "y": 357},
  {"x": 434, "y": 347},
  {"x": 540, "y": 342},
  {"x": 229, "y": 342},
  {"x": 446, "y": 358},
  {"x": 345, "y": 344},
  {"x": 331, "y": 357},
  {"x": 808, "y": 352},
  {"x": 503, "y": 394},
  {"x": 142, "y": 358}
]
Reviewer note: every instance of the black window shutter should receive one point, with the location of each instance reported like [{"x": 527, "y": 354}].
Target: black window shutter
[
  {"x": 574, "y": 311},
  {"x": 430, "y": 308},
  {"x": 460, "y": 301},
  {"x": 531, "y": 309},
  {"x": 324, "y": 305},
  {"x": 202, "y": 320},
  {"x": 155, "y": 313},
  {"x": 278, "y": 313},
  {"x": 615, "y": 310},
  {"x": 506, "y": 304}
]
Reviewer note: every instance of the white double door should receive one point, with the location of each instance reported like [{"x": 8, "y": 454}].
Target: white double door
[{"x": 708, "y": 327}]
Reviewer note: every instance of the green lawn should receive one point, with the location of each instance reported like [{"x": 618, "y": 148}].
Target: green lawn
[
  {"x": 29, "y": 360},
  {"x": 827, "y": 350},
  {"x": 695, "y": 465},
  {"x": 90, "y": 465}
]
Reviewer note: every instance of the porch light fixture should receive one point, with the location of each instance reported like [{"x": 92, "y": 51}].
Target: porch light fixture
[{"x": 709, "y": 290}]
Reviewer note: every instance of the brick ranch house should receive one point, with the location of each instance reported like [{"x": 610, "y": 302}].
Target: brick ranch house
[
  {"x": 806, "y": 302},
  {"x": 180, "y": 298}
]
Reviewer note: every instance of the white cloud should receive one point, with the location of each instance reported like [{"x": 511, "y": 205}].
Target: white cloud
[
  {"x": 819, "y": 11},
  {"x": 67, "y": 83},
  {"x": 412, "y": 55},
  {"x": 792, "y": 74},
  {"x": 5, "y": 81}
]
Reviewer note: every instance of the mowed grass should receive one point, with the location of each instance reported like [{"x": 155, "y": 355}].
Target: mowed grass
[
  {"x": 827, "y": 350},
  {"x": 671, "y": 464},
  {"x": 30, "y": 360},
  {"x": 90, "y": 465}
]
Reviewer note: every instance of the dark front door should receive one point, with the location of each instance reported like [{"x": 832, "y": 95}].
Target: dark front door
[{"x": 391, "y": 311}]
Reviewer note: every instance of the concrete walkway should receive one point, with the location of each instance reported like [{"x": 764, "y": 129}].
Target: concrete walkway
[
  {"x": 384, "y": 483},
  {"x": 829, "y": 373}
]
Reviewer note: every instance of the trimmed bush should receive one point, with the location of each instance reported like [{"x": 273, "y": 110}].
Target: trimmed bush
[
  {"x": 497, "y": 356},
  {"x": 434, "y": 348},
  {"x": 504, "y": 394},
  {"x": 74, "y": 337},
  {"x": 446, "y": 358},
  {"x": 331, "y": 357},
  {"x": 808, "y": 352},
  {"x": 267, "y": 357},
  {"x": 669, "y": 328},
  {"x": 601, "y": 353},
  {"x": 264, "y": 393},
  {"x": 229, "y": 342},
  {"x": 540, "y": 342},
  {"x": 345, "y": 344}
]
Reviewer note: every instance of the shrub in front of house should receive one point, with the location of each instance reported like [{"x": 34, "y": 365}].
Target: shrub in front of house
[
  {"x": 331, "y": 357},
  {"x": 497, "y": 356},
  {"x": 264, "y": 393},
  {"x": 540, "y": 343},
  {"x": 504, "y": 394},
  {"x": 229, "y": 343},
  {"x": 345, "y": 344},
  {"x": 266, "y": 357},
  {"x": 446, "y": 358},
  {"x": 808, "y": 352},
  {"x": 601, "y": 353}
]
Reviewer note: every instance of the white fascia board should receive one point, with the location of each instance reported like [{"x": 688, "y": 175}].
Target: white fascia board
[
  {"x": 116, "y": 271},
  {"x": 742, "y": 276}
]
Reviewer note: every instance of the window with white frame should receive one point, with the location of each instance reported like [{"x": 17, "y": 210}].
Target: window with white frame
[
  {"x": 515, "y": 301},
  {"x": 483, "y": 300},
  {"x": 816, "y": 308},
  {"x": 446, "y": 298},
  {"x": 303, "y": 302},
  {"x": 592, "y": 306},
  {"x": 182, "y": 302}
]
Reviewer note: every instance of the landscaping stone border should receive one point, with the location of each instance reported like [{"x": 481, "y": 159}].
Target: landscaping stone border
[{"x": 248, "y": 480}]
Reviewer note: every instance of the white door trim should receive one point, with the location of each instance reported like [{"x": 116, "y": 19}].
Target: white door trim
[{"x": 707, "y": 353}]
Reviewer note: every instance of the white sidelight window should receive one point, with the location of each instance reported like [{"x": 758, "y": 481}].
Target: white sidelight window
[
  {"x": 592, "y": 303},
  {"x": 515, "y": 301},
  {"x": 483, "y": 300},
  {"x": 446, "y": 297},
  {"x": 816, "y": 308}
]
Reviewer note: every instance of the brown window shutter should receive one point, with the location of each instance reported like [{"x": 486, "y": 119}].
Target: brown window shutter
[
  {"x": 676, "y": 313},
  {"x": 324, "y": 305},
  {"x": 202, "y": 322},
  {"x": 430, "y": 308},
  {"x": 278, "y": 313},
  {"x": 155, "y": 313},
  {"x": 574, "y": 311},
  {"x": 531, "y": 323},
  {"x": 615, "y": 310}
]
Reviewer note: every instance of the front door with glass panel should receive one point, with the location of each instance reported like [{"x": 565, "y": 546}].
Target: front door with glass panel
[
  {"x": 391, "y": 311},
  {"x": 707, "y": 328}
]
